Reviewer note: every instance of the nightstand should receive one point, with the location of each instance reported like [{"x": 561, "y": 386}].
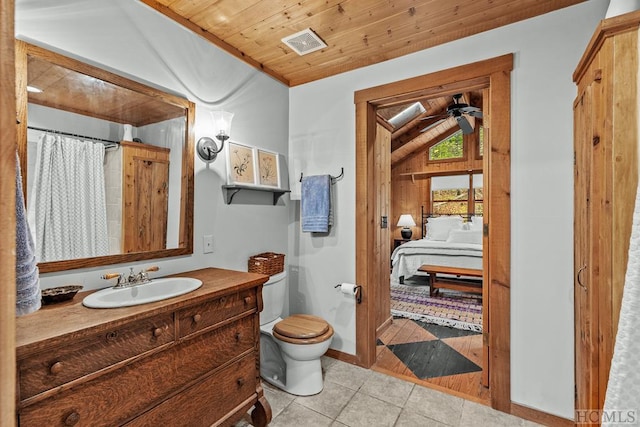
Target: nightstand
[{"x": 398, "y": 242}]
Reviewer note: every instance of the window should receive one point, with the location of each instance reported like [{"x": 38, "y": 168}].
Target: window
[
  {"x": 478, "y": 201},
  {"x": 450, "y": 148},
  {"x": 452, "y": 201},
  {"x": 450, "y": 195}
]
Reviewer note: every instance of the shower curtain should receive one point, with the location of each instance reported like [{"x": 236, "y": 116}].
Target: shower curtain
[
  {"x": 622, "y": 401},
  {"x": 67, "y": 208}
]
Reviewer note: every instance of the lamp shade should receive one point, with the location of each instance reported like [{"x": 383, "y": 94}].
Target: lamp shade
[
  {"x": 222, "y": 122},
  {"x": 406, "y": 220}
]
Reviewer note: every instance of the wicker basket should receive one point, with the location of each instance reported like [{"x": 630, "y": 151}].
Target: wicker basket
[{"x": 268, "y": 263}]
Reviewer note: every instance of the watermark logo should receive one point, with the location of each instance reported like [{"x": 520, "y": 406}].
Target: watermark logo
[{"x": 619, "y": 417}]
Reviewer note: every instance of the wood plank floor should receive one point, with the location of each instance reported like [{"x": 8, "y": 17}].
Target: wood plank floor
[{"x": 434, "y": 356}]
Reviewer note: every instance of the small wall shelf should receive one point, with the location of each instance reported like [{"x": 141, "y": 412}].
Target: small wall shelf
[{"x": 232, "y": 190}]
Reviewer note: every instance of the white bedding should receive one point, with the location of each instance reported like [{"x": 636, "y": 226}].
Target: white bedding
[{"x": 408, "y": 257}]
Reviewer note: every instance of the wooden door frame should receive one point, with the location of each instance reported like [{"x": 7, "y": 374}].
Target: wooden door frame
[
  {"x": 494, "y": 75},
  {"x": 7, "y": 215}
]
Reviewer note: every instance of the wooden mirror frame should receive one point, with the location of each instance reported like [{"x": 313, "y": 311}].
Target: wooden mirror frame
[{"x": 23, "y": 50}]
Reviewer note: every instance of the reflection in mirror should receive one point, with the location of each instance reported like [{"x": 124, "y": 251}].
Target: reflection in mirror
[{"x": 109, "y": 165}]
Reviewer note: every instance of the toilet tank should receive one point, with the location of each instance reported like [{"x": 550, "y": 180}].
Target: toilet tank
[{"x": 273, "y": 292}]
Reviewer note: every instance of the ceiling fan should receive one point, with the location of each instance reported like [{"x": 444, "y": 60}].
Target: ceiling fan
[{"x": 457, "y": 110}]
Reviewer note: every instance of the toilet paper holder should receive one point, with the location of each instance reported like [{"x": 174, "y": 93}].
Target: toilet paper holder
[{"x": 357, "y": 293}]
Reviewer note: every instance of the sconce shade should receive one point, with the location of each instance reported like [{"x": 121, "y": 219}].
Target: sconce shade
[
  {"x": 222, "y": 123},
  {"x": 406, "y": 220},
  {"x": 206, "y": 147}
]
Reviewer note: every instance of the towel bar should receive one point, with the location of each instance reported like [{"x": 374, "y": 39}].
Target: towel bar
[{"x": 333, "y": 178}]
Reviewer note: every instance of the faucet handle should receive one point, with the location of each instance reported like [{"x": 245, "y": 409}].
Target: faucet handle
[
  {"x": 110, "y": 276},
  {"x": 153, "y": 268}
]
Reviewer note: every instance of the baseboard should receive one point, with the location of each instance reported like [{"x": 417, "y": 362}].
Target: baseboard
[
  {"x": 539, "y": 416},
  {"x": 344, "y": 357},
  {"x": 384, "y": 326}
]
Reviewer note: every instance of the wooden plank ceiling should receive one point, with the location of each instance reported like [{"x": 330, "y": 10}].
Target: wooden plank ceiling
[{"x": 357, "y": 32}]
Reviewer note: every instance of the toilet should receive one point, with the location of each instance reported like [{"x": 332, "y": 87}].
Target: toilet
[{"x": 290, "y": 348}]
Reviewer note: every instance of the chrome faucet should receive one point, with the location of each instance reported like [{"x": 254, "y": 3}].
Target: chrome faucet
[{"x": 131, "y": 279}]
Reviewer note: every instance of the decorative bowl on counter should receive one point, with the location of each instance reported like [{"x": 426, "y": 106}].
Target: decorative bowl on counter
[{"x": 59, "y": 294}]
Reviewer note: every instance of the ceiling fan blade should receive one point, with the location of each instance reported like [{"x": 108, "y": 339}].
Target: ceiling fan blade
[
  {"x": 476, "y": 114},
  {"x": 464, "y": 124},
  {"x": 432, "y": 125},
  {"x": 435, "y": 116}
]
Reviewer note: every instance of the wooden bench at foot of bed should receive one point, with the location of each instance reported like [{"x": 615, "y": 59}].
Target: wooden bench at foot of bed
[{"x": 457, "y": 284}]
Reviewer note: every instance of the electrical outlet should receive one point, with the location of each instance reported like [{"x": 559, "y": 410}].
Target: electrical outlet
[{"x": 207, "y": 246}]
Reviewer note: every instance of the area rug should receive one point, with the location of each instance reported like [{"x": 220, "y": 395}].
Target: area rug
[{"x": 455, "y": 309}]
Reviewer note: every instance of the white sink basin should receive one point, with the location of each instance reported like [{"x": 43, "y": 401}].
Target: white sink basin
[{"x": 156, "y": 290}]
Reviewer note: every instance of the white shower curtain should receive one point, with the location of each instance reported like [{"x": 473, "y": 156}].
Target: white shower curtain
[
  {"x": 67, "y": 206},
  {"x": 622, "y": 401}
]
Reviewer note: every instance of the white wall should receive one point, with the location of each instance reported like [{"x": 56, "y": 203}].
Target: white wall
[
  {"x": 132, "y": 39},
  {"x": 322, "y": 139}
]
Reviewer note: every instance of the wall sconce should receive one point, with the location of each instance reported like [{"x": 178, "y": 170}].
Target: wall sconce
[
  {"x": 405, "y": 222},
  {"x": 206, "y": 147}
]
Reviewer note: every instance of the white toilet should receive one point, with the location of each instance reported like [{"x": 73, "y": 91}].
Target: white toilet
[{"x": 290, "y": 348}]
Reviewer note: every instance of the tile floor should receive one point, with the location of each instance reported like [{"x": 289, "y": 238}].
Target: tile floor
[{"x": 354, "y": 396}]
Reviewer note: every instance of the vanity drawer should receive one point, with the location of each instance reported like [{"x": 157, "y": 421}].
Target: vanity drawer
[
  {"x": 201, "y": 316},
  {"x": 120, "y": 395},
  {"x": 60, "y": 365},
  {"x": 208, "y": 401}
]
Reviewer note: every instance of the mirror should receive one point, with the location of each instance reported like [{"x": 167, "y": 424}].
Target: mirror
[{"x": 141, "y": 199}]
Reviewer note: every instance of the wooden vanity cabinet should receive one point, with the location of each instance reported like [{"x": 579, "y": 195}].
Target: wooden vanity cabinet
[{"x": 193, "y": 361}]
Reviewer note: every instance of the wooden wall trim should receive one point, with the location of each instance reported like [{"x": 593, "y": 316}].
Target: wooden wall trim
[
  {"x": 365, "y": 318},
  {"x": 494, "y": 74},
  {"x": 469, "y": 76},
  {"x": 7, "y": 215},
  {"x": 539, "y": 416},
  {"x": 497, "y": 202},
  {"x": 344, "y": 357}
]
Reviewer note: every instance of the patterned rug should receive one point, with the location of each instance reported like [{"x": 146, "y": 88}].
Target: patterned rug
[{"x": 455, "y": 309}]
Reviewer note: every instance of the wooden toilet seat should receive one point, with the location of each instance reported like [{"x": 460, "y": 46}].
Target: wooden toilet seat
[{"x": 303, "y": 329}]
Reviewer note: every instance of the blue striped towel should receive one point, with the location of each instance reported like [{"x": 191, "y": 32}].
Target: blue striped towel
[{"x": 315, "y": 205}]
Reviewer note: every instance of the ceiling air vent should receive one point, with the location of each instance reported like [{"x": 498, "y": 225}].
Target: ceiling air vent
[{"x": 306, "y": 41}]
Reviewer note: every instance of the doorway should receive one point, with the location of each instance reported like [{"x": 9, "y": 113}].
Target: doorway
[{"x": 372, "y": 272}]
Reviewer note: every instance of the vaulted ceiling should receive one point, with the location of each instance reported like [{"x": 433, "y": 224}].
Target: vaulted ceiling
[{"x": 425, "y": 127}]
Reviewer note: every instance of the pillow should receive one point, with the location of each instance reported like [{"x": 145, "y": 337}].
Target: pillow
[
  {"x": 465, "y": 236},
  {"x": 439, "y": 228},
  {"x": 476, "y": 223}
]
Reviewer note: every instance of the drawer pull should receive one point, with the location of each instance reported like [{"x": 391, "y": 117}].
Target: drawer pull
[
  {"x": 223, "y": 300},
  {"x": 112, "y": 335},
  {"x": 247, "y": 300},
  {"x": 238, "y": 336},
  {"x": 56, "y": 368},
  {"x": 72, "y": 419},
  {"x": 197, "y": 318},
  {"x": 157, "y": 332},
  {"x": 240, "y": 382}
]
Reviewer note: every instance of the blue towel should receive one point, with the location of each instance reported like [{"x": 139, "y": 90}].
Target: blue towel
[
  {"x": 28, "y": 296},
  {"x": 315, "y": 204}
]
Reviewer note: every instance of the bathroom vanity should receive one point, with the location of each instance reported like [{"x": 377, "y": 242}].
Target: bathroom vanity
[{"x": 192, "y": 360}]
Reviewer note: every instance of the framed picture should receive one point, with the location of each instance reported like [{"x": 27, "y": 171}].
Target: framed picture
[
  {"x": 268, "y": 168},
  {"x": 240, "y": 164}
]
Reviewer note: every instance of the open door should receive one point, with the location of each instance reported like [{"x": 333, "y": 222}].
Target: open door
[{"x": 382, "y": 181}]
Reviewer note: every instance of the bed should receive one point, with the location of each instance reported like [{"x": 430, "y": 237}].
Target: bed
[{"x": 447, "y": 240}]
